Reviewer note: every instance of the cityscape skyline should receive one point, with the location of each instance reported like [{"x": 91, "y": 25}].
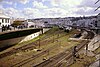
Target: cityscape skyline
[{"x": 48, "y": 8}]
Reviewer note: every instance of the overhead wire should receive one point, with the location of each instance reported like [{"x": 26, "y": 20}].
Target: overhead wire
[{"x": 97, "y": 7}]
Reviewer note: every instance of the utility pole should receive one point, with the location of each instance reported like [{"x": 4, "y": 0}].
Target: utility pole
[
  {"x": 41, "y": 32},
  {"x": 39, "y": 41},
  {"x": 58, "y": 36},
  {"x": 53, "y": 37},
  {"x": 86, "y": 48}
]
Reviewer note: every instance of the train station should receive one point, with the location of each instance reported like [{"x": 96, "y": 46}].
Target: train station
[{"x": 52, "y": 33}]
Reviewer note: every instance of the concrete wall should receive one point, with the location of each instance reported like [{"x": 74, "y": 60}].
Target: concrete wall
[
  {"x": 16, "y": 39},
  {"x": 30, "y": 37},
  {"x": 13, "y": 41},
  {"x": 9, "y": 42},
  {"x": 46, "y": 29},
  {"x": 34, "y": 35}
]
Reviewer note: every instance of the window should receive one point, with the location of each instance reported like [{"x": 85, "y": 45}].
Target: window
[
  {"x": 95, "y": 23},
  {"x": 2, "y": 20},
  {"x": 5, "y": 20}
]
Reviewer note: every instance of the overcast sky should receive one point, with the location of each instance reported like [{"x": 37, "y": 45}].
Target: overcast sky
[{"x": 48, "y": 8}]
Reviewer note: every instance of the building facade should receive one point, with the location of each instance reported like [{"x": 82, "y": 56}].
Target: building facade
[
  {"x": 98, "y": 20},
  {"x": 4, "y": 21}
]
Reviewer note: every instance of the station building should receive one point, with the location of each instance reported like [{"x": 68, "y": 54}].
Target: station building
[{"x": 4, "y": 20}]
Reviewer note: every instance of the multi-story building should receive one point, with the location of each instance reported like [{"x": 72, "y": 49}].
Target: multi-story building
[
  {"x": 97, "y": 24},
  {"x": 98, "y": 20},
  {"x": 4, "y": 20}
]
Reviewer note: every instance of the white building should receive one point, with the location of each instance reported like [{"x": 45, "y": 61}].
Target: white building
[{"x": 4, "y": 20}]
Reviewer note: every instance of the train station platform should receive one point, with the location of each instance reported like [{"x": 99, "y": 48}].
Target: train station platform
[{"x": 14, "y": 30}]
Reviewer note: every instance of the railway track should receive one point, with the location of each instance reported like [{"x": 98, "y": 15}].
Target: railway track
[
  {"x": 27, "y": 60},
  {"x": 60, "y": 57},
  {"x": 89, "y": 36},
  {"x": 56, "y": 60},
  {"x": 30, "y": 45},
  {"x": 32, "y": 57}
]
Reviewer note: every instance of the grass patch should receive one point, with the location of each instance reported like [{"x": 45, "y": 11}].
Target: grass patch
[{"x": 97, "y": 51}]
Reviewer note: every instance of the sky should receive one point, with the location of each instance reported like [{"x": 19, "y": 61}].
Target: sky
[{"x": 31, "y": 9}]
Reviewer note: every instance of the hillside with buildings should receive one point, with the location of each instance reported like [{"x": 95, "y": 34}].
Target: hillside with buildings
[{"x": 71, "y": 41}]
